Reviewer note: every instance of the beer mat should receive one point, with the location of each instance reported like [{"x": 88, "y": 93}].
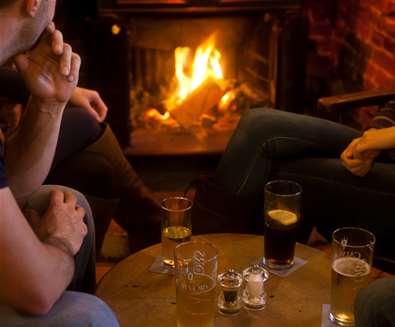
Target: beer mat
[
  {"x": 159, "y": 267},
  {"x": 298, "y": 262},
  {"x": 325, "y": 322}
]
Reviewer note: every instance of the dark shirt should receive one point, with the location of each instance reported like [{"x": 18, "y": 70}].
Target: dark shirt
[{"x": 3, "y": 177}]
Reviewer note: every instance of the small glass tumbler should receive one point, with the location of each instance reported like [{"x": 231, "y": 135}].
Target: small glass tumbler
[
  {"x": 254, "y": 296},
  {"x": 229, "y": 299}
]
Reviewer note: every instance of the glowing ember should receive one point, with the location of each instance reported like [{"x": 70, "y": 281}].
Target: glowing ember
[{"x": 206, "y": 64}]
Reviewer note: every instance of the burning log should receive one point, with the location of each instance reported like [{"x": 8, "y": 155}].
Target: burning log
[{"x": 200, "y": 101}]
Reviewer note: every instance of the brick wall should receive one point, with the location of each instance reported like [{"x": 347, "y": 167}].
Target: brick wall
[{"x": 357, "y": 37}]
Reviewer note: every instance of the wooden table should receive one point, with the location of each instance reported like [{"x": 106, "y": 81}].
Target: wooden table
[{"x": 143, "y": 298}]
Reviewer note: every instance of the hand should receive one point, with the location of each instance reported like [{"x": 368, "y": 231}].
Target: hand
[
  {"x": 91, "y": 101},
  {"x": 62, "y": 224},
  {"x": 50, "y": 69},
  {"x": 358, "y": 164},
  {"x": 375, "y": 140}
]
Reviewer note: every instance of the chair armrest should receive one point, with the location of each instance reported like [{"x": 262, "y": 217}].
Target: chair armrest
[{"x": 354, "y": 100}]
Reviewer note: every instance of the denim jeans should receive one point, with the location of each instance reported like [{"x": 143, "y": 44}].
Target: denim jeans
[
  {"x": 272, "y": 144},
  {"x": 375, "y": 305},
  {"x": 73, "y": 308}
]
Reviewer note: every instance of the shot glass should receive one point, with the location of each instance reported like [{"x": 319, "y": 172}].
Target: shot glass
[
  {"x": 282, "y": 214},
  {"x": 176, "y": 225},
  {"x": 196, "y": 280},
  {"x": 352, "y": 257}
]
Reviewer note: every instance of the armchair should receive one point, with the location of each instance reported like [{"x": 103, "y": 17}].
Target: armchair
[{"x": 332, "y": 107}]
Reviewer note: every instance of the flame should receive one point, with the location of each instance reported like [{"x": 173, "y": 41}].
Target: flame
[{"x": 206, "y": 64}]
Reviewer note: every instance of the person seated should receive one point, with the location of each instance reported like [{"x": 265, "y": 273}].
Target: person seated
[
  {"x": 347, "y": 176},
  {"x": 48, "y": 247},
  {"x": 375, "y": 305},
  {"x": 89, "y": 158}
]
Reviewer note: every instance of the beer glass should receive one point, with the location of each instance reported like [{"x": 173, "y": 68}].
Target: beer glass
[
  {"x": 282, "y": 213},
  {"x": 176, "y": 225},
  {"x": 196, "y": 277},
  {"x": 351, "y": 262}
]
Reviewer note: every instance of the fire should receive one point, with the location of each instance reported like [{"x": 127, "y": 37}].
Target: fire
[{"x": 206, "y": 64}]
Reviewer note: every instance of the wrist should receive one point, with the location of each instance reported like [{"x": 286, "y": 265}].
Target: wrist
[
  {"x": 61, "y": 245},
  {"x": 47, "y": 105}
]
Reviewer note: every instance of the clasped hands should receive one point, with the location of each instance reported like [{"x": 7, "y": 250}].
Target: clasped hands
[{"x": 360, "y": 154}]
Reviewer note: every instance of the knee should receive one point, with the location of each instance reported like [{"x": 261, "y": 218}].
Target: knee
[
  {"x": 375, "y": 305},
  {"x": 81, "y": 309},
  {"x": 262, "y": 121}
]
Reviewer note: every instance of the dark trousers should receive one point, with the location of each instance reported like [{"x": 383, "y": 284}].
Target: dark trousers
[{"x": 272, "y": 144}]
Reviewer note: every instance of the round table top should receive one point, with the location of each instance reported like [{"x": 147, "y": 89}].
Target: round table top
[{"x": 143, "y": 298}]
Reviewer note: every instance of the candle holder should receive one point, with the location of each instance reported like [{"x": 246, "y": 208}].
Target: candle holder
[
  {"x": 229, "y": 299},
  {"x": 254, "y": 296}
]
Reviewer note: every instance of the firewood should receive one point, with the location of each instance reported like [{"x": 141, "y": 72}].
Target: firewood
[{"x": 197, "y": 103}]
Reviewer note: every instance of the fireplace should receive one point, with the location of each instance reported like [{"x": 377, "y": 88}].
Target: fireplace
[{"x": 252, "y": 52}]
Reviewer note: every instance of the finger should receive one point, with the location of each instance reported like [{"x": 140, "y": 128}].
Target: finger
[
  {"x": 22, "y": 62},
  {"x": 92, "y": 111},
  {"x": 100, "y": 107},
  {"x": 51, "y": 27},
  {"x": 70, "y": 199},
  {"x": 80, "y": 211},
  {"x": 57, "y": 44},
  {"x": 65, "y": 60},
  {"x": 56, "y": 197},
  {"x": 75, "y": 68}
]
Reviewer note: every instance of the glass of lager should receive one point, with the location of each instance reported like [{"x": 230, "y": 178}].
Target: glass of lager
[
  {"x": 351, "y": 261},
  {"x": 282, "y": 213},
  {"x": 176, "y": 225},
  {"x": 196, "y": 277}
]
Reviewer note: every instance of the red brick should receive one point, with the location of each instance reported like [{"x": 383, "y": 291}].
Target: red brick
[
  {"x": 384, "y": 80},
  {"x": 389, "y": 43},
  {"x": 377, "y": 39},
  {"x": 384, "y": 60}
]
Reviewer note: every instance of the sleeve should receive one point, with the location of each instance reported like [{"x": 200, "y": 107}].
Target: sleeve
[
  {"x": 12, "y": 86},
  {"x": 384, "y": 117}
]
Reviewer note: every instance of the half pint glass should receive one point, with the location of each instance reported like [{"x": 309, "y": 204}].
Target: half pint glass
[
  {"x": 176, "y": 225},
  {"x": 351, "y": 262},
  {"x": 196, "y": 276},
  {"x": 282, "y": 212}
]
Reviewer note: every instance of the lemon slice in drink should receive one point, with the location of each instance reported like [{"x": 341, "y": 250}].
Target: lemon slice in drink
[{"x": 284, "y": 217}]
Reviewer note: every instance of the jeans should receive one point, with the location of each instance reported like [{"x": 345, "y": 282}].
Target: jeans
[
  {"x": 73, "y": 308},
  {"x": 271, "y": 144},
  {"x": 375, "y": 305}
]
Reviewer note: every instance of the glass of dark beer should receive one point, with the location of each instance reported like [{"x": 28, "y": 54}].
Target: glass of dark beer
[{"x": 282, "y": 214}]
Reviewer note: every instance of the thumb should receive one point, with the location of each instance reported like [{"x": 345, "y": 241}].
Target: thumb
[
  {"x": 32, "y": 217},
  {"x": 21, "y": 62}
]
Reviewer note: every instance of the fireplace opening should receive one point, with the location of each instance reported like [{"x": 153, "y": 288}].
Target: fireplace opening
[{"x": 182, "y": 73}]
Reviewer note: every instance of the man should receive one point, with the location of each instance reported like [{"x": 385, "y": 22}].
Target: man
[{"x": 37, "y": 266}]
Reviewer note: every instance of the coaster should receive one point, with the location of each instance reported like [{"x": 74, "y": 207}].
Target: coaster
[
  {"x": 298, "y": 262},
  {"x": 159, "y": 267},
  {"x": 325, "y": 322}
]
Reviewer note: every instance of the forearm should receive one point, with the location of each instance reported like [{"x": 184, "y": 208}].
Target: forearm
[
  {"x": 29, "y": 152},
  {"x": 34, "y": 274}
]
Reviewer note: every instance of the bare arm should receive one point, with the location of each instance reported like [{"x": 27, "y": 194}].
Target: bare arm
[
  {"x": 35, "y": 273},
  {"x": 50, "y": 72}
]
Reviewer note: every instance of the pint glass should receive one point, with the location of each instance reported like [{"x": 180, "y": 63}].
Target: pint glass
[
  {"x": 282, "y": 212},
  {"x": 351, "y": 262},
  {"x": 176, "y": 225},
  {"x": 196, "y": 275}
]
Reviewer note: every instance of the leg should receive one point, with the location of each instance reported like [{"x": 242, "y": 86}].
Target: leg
[
  {"x": 72, "y": 309},
  {"x": 264, "y": 135},
  {"x": 375, "y": 305},
  {"x": 84, "y": 277}
]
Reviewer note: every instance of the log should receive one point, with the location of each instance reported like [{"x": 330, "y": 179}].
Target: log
[{"x": 197, "y": 103}]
